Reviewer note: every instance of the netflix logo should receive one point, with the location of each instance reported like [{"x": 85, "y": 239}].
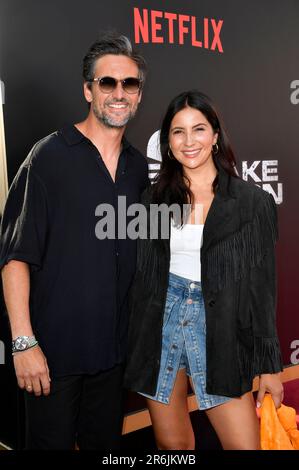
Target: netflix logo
[{"x": 161, "y": 27}]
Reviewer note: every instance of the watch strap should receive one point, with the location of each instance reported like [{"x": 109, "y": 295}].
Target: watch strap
[{"x": 22, "y": 343}]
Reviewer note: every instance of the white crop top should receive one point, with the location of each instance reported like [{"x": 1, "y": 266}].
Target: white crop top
[{"x": 185, "y": 244}]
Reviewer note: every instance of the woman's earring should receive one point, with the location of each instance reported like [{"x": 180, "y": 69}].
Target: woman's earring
[
  {"x": 170, "y": 155},
  {"x": 215, "y": 151}
]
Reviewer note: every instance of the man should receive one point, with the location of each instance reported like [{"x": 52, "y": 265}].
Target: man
[{"x": 65, "y": 289}]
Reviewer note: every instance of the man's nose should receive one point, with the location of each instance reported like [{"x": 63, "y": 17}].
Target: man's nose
[{"x": 118, "y": 92}]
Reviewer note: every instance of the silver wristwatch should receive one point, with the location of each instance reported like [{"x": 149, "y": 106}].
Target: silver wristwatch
[{"x": 21, "y": 343}]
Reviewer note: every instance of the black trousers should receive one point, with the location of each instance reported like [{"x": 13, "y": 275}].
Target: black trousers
[{"x": 82, "y": 409}]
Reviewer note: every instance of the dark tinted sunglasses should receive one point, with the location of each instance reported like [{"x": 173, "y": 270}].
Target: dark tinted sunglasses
[{"x": 108, "y": 84}]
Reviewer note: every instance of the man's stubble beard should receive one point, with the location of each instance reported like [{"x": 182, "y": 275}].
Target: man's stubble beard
[{"x": 108, "y": 121}]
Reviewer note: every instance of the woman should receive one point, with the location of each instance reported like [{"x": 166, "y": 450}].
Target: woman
[{"x": 203, "y": 298}]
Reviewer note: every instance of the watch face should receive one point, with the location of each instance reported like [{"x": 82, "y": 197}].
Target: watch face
[{"x": 21, "y": 343}]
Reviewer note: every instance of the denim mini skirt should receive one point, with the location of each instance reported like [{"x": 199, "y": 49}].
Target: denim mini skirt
[{"x": 184, "y": 342}]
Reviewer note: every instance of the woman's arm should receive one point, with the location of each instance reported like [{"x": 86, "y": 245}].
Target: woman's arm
[{"x": 263, "y": 287}]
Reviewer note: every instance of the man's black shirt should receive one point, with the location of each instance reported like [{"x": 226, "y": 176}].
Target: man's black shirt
[{"x": 79, "y": 283}]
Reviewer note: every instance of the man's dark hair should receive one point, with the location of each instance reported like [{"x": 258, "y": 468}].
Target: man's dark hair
[{"x": 112, "y": 43}]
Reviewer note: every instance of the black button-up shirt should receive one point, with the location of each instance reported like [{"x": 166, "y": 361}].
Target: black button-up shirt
[{"x": 79, "y": 283}]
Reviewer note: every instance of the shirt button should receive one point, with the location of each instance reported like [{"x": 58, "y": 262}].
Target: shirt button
[
  {"x": 185, "y": 323},
  {"x": 174, "y": 346},
  {"x": 192, "y": 285},
  {"x": 170, "y": 369},
  {"x": 189, "y": 301}
]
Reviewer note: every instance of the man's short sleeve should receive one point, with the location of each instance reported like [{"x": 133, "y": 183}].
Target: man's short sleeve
[{"x": 25, "y": 220}]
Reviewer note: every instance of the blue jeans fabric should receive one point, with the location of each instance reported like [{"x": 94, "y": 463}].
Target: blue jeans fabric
[{"x": 184, "y": 342}]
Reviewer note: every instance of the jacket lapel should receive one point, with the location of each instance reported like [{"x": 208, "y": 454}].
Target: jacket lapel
[{"x": 221, "y": 212}]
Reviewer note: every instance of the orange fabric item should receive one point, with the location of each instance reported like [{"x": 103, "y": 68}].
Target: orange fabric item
[{"x": 278, "y": 426}]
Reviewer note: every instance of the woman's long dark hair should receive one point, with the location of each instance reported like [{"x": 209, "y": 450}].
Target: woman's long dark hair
[{"x": 171, "y": 185}]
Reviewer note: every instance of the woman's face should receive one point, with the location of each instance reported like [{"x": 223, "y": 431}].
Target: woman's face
[{"x": 191, "y": 138}]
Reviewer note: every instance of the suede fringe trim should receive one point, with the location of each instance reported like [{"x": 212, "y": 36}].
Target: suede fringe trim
[
  {"x": 265, "y": 358},
  {"x": 230, "y": 259},
  {"x": 150, "y": 264}
]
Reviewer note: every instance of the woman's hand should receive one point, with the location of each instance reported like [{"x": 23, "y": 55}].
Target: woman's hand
[{"x": 270, "y": 383}]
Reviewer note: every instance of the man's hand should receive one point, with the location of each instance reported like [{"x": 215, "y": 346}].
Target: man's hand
[
  {"x": 32, "y": 371},
  {"x": 270, "y": 383}
]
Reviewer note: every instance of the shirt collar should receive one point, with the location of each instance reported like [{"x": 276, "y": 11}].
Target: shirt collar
[{"x": 73, "y": 136}]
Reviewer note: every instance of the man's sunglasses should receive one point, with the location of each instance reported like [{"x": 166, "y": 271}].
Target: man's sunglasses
[{"x": 108, "y": 84}]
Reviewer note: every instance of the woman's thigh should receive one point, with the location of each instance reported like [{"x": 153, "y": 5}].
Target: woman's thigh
[
  {"x": 171, "y": 423},
  {"x": 236, "y": 423}
]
